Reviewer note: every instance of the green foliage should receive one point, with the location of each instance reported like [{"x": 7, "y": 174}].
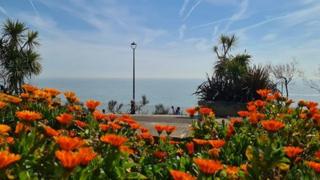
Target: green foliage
[
  {"x": 160, "y": 109},
  {"x": 19, "y": 59},
  {"x": 233, "y": 78}
]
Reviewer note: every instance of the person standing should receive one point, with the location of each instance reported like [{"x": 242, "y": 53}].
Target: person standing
[
  {"x": 172, "y": 109},
  {"x": 177, "y": 111}
]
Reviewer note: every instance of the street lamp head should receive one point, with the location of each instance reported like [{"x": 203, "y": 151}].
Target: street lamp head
[{"x": 133, "y": 45}]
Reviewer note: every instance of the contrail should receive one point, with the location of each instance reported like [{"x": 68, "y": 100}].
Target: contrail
[
  {"x": 3, "y": 11},
  {"x": 183, "y": 8},
  {"x": 192, "y": 9},
  {"x": 34, "y": 7}
]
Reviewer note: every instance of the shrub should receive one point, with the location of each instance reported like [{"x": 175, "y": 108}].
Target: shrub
[{"x": 41, "y": 138}]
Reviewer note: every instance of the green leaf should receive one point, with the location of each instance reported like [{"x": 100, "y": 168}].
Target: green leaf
[{"x": 135, "y": 175}]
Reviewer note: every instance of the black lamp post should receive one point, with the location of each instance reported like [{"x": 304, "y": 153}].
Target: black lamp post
[{"x": 133, "y": 104}]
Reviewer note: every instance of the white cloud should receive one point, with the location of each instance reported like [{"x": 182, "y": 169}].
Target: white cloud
[
  {"x": 269, "y": 37},
  {"x": 150, "y": 35},
  {"x": 182, "y": 30}
]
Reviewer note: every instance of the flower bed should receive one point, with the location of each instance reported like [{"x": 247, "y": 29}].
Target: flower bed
[{"x": 40, "y": 137}]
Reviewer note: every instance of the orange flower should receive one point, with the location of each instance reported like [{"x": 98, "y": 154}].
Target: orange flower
[
  {"x": 104, "y": 127},
  {"x": 4, "y": 129},
  {"x": 146, "y": 136},
  {"x": 317, "y": 154},
  {"x": 163, "y": 138},
  {"x": 312, "y": 104},
  {"x": 200, "y": 141},
  {"x": 252, "y": 108},
  {"x": 232, "y": 171},
  {"x": 207, "y": 166},
  {"x": 205, "y": 111},
  {"x": 191, "y": 111},
  {"x": 80, "y": 123},
  {"x": 73, "y": 108},
  {"x": 264, "y": 92},
  {"x": 190, "y": 148},
  {"x": 218, "y": 143},
  {"x": 179, "y": 175},
  {"x": 235, "y": 120},
  {"x": 316, "y": 118},
  {"x": 159, "y": 128},
  {"x": 134, "y": 126},
  {"x": 292, "y": 151},
  {"x": 50, "y": 131},
  {"x": 244, "y": 168},
  {"x": 174, "y": 142},
  {"x": 53, "y": 92},
  {"x": 303, "y": 115},
  {"x": 68, "y": 143},
  {"x": 126, "y": 149},
  {"x": 272, "y": 125},
  {"x": 314, "y": 165},
  {"x": 230, "y": 130},
  {"x": 41, "y": 95},
  {"x": 243, "y": 113},
  {"x": 29, "y": 88},
  {"x": 260, "y": 103},
  {"x": 160, "y": 154},
  {"x": 143, "y": 129},
  {"x": 2, "y": 104},
  {"x": 9, "y": 140},
  {"x": 170, "y": 129},
  {"x": 271, "y": 97},
  {"x": 64, "y": 118},
  {"x": 111, "y": 117},
  {"x": 19, "y": 127},
  {"x": 8, "y": 98},
  {"x": 24, "y": 95},
  {"x": 28, "y": 115},
  {"x": 92, "y": 104},
  {"x": 72, "y": 133},
  {"x": 126, "y": 119},
  {"x": 7, "y": 158},
  {"x": 214, "y": 152},
  {"x": 99, "y": 116},
  {"x": 113, "y": 139},
  {"x": 68, "y": 159},
  {"x": 254, "y": 117},
  {"x": 71, "y": 97},
  {"x": 115, "y": 126},
  {"x": 86, "y": 155}
]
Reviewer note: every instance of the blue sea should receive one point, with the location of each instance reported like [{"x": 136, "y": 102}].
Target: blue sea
[{"x": 169, "y": 92}]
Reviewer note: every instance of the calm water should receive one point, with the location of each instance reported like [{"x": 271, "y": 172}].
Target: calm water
[
  {"x": 176, "y": 92},
  {"x": 170, "y": 92}
]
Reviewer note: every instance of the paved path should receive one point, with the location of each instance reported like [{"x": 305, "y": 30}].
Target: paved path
[{"x": 183, "y": 123}]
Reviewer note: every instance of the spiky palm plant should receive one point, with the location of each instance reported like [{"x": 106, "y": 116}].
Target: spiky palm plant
[{"x": 19, "y": 58}]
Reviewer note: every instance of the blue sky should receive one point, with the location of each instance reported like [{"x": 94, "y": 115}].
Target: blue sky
[{"x": 90, "y": 38}]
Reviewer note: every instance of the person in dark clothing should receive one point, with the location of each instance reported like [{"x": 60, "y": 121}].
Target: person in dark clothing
[
  {"x": 103, "y": 111},
  {"x": 132, "y": 107},
  {"x": 177, "y": 111}
]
